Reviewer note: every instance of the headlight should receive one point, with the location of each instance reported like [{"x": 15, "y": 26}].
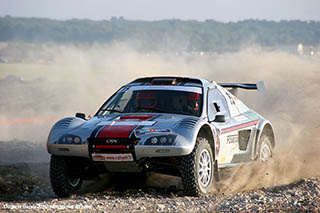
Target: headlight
[
  {"x": 69, "y": 139},
  {"x": 166, "y": 140},
  {"x": 154, "y": 140},
  {"x": 163, "y": 140},
  {"x": 143, "y": 131},
  {"x": 77, "y": 139}
]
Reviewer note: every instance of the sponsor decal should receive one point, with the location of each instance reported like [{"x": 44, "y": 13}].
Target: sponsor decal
[
  {"x": 144, "y": 131},
  {"x": 129, "y": 120},
  {"x": 111, "y": 141},
  {"x": 135, "y": 123},
  {"x": 232, "y": 139},
  {"x": 112, "y": 157},
  {"x": 222, "y": 159},
  {"x": 126, "y": 123}
]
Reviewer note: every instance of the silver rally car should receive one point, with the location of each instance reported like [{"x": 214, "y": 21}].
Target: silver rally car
[{"x": 187, "y": 127}]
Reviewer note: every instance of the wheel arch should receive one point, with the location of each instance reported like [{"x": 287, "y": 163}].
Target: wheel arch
[
  {"x": 190, "y": 164},
  {"x": 264, "y": 128},
  {"x": 62, "y": 125},
  {"x": 268, "y": 130},
  {"x": 205, "y": 131}
]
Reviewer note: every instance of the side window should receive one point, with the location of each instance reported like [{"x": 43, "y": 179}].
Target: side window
[
  {"x": 231, "y": 103},
  {"x": 217, "y": 104}
]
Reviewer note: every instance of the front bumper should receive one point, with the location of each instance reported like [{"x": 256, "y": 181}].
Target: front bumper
[
  {"x": 140, "y": 151},
  {"x": 68, "y": 150},
  {"x": 144, "y": 151}
]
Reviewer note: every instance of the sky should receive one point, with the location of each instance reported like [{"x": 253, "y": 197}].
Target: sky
[{"x": 219, "y": 10}]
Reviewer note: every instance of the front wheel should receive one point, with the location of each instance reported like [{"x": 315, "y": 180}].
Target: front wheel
[
  {"x": 197, "y": 169},
  {"x": 63, "y": 175}
]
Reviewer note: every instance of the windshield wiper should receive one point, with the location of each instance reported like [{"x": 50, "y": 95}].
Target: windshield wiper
[
  {"x": 111, "y": 110},
  {"x": 154, "y": 109}
]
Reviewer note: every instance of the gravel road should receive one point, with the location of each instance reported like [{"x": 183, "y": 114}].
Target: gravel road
[{"x": 25, "y": 187}]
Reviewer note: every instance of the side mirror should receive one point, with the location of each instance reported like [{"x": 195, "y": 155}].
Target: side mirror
[
  {"x": 81, "y": 115},
  {"x": 220, "y": 118}
]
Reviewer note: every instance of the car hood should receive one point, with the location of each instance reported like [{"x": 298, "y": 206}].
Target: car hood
[{"x": 123, "y": 125}]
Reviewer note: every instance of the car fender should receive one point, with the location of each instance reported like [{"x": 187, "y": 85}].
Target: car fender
[
  {"x": 62, "y": 126},
  {"x": 67, "y": 126},
  {"x": 190, "y": 133},
  {"x": 264, "y": 126}
]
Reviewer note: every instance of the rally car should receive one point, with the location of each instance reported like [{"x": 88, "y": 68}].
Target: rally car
[{"x": 187, "y": 127}]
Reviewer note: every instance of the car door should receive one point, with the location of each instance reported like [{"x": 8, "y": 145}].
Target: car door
[{"x": 236, "y": 125}]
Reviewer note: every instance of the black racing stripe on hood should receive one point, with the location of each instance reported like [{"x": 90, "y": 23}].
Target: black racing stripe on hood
[{"x": 96, "y": 131}]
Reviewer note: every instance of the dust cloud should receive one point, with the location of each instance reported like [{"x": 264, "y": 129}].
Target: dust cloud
[
  {"x": 81, "y": 78},
  {"x": 291, "y": 104}
]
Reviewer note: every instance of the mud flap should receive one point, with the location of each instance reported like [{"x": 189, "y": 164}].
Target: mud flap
[{"x": 216, "y": 171}]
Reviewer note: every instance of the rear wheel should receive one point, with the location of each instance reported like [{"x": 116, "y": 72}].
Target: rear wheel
[
  {"x": 265, "y": 149},
  {"x": 197, "y": 169},
  {"x": 65, "y": 179}
]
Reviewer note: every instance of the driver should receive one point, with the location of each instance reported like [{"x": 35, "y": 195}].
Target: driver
[
  {"x": 146, "y": 100},
  {"x": 193, "y": 103}
]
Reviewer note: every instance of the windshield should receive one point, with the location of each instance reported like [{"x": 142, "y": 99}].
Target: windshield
[{"x": 155, "y": 101}]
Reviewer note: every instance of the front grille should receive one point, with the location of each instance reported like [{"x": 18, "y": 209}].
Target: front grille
[{"x": 112, "y": 145}]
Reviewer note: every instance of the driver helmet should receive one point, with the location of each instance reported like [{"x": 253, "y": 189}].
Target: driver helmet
[
  {"x": 193, "y": 101},
  {"x": 146, "y": 99}
]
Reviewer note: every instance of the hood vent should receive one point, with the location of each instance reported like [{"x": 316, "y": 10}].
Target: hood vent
[
  {"x": 188, "y": 123},
  {"x": 64, "y": 123}
]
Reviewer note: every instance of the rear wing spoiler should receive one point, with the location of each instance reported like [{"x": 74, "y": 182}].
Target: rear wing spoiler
[{"x": 234, "y": 86}]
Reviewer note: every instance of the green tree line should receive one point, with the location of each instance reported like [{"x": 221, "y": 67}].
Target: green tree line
[{"x": 188, "y": 35}]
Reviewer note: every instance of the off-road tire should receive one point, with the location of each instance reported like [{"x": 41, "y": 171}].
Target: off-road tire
[
  {"x": 264, "y": 149},
  {"x": 190, "y": 165},
  {"x": 61, "y": 177}
]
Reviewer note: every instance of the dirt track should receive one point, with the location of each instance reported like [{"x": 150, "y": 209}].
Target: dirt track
[
  {"x": 37, "y": 195},
  {"x": 290, "y": 182},
  {"x": 25, "y": 186}
]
